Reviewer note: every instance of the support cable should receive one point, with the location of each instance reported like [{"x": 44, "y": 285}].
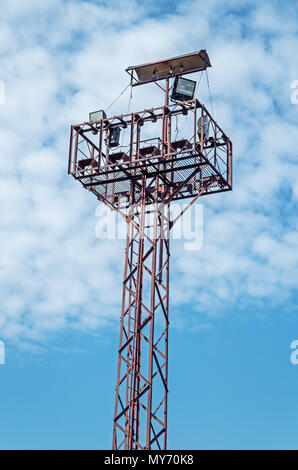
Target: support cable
[
  {"x": 209, "y": 94},
  {"x": 127, "y": 112},
  {"x": 116, "y": 99},
  {"x": 200, "y": 79}
]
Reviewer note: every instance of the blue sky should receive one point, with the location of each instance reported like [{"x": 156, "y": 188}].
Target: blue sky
[{"x": 233, "y": 302}]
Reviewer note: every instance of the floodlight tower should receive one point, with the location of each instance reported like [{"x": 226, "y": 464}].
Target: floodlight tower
[{"x": 138, "y": 179}]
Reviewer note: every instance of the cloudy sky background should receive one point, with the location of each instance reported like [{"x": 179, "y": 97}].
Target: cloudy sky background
[{"x": 61, "y": 286}]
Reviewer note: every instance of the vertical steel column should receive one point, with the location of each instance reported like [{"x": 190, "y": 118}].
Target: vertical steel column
[{"x": 140, "y": 420}]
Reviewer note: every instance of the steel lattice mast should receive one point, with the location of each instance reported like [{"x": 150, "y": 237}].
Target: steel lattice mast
[
  {"x": 140, "y": 181},
  {"x": 143, "y": 348}
]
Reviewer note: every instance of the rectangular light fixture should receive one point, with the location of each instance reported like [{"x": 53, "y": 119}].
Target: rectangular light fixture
[
  {"x": 114, "y": 138},
  {"x": 97, "y": 115},
  {"x": 183, "y": 89}
]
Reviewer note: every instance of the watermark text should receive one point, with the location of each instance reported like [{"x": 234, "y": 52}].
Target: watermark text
[
  {"x": 178, "y": 223},
  {"x": 2, "y": 92},
  {"x": 294, "y": 94},
  {"x": 294, "y": 354},
  {"x": 2, "y": 352}
]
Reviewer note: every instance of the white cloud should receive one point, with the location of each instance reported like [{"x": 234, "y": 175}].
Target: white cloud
[{"x": 59, "y": 60}]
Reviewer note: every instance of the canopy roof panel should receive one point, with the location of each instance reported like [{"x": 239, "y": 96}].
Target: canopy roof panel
[{"x": 172, "y": 67}]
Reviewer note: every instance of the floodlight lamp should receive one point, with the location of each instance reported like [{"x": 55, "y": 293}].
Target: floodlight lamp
[
  {"x": 97, "y": 115},
  {"x": 114, "y": 136},
  {"x": 183, "y": 89}
]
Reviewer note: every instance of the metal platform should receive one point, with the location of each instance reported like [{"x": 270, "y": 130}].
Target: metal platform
[{"x": 185, "y": 166}]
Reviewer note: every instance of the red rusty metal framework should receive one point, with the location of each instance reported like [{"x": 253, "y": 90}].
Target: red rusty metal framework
[{"x": 139, "y": 180}]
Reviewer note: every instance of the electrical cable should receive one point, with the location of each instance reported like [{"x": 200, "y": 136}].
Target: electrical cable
[{"x": 177, "y": 128}]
